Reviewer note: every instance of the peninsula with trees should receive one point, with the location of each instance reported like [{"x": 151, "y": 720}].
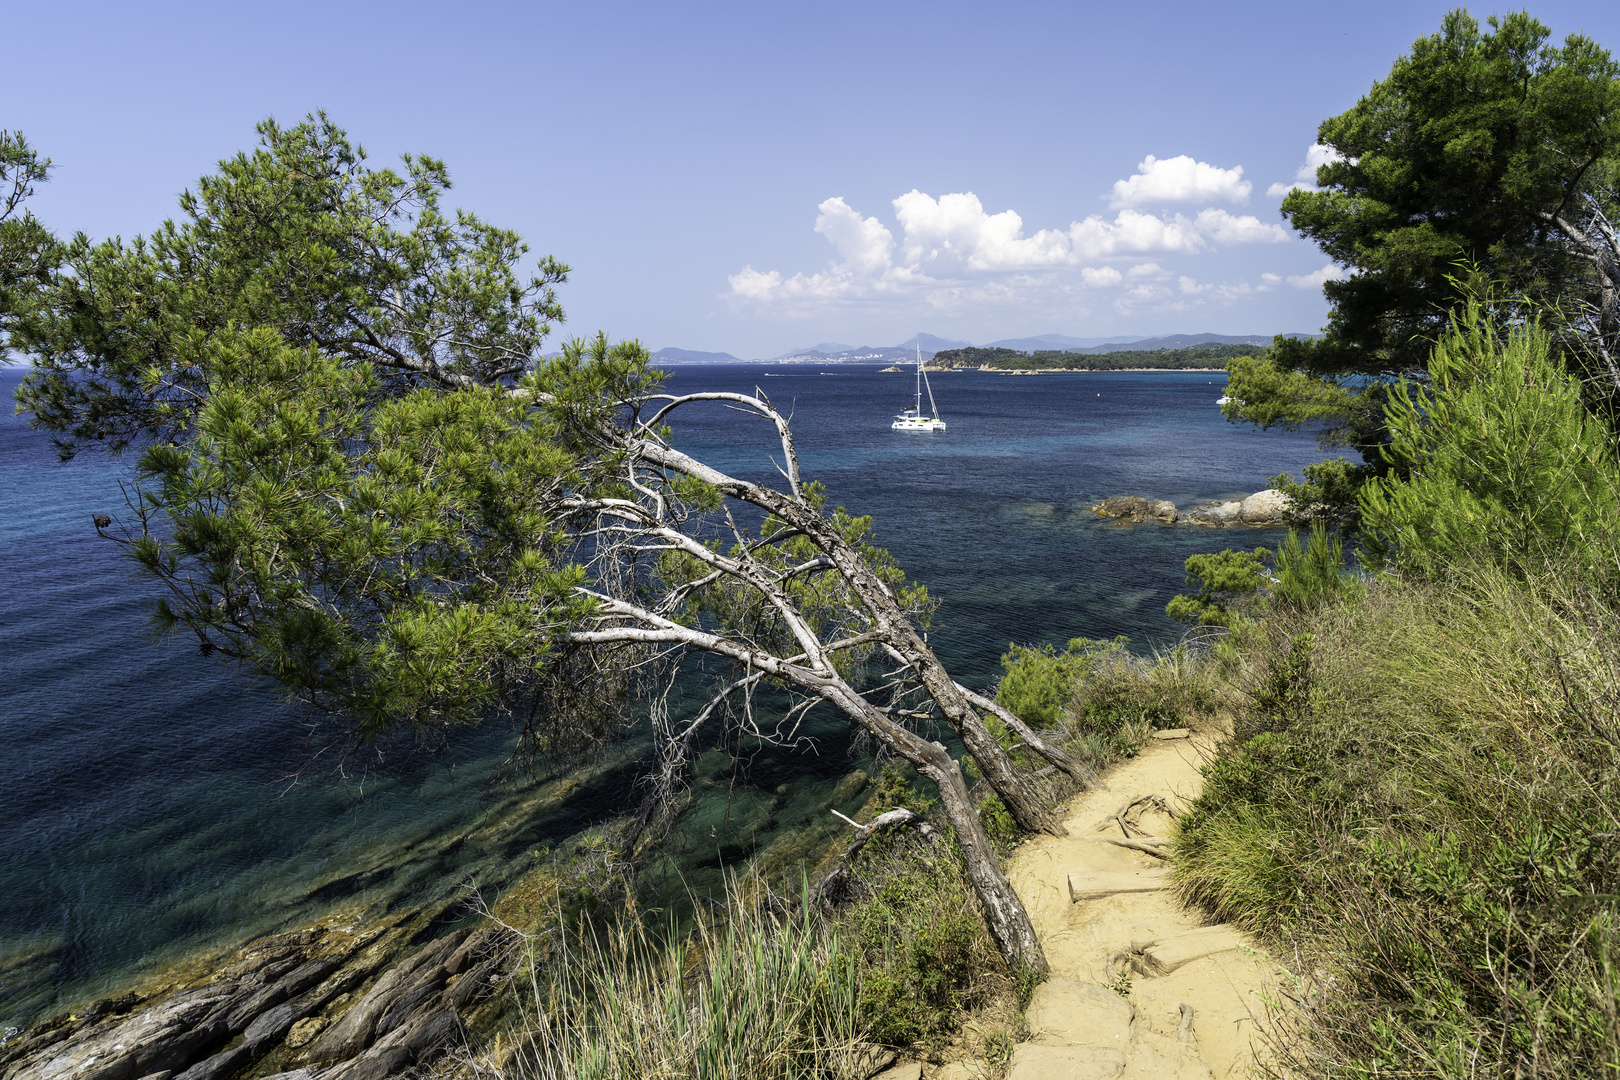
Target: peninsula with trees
[{"x": 1194, "y": 358}]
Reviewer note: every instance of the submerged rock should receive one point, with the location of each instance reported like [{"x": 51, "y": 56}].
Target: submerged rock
[{"x": 1136, "y": 508}]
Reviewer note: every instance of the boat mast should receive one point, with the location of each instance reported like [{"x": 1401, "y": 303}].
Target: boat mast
[
  {"x": 918, "y": 409},
  {"x": 933, "y": 409}
]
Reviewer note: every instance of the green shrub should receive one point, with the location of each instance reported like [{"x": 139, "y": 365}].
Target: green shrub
[
  {"x": 1229, "y": 582},
  {"x": 1496, "y": 461},
  {"x": 1314, "y": 573},
  {"x": 925, "y": 956},
  {"x": 998, "y": 823},
  {"x": 1421, "y": 796},
  {"x": 1095, "y": 690}
]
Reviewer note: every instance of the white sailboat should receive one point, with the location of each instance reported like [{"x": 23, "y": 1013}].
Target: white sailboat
[{"x": 913, "y": 419}]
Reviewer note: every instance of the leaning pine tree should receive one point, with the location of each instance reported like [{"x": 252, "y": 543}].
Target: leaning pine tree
[{"x": 357, "y": 477}]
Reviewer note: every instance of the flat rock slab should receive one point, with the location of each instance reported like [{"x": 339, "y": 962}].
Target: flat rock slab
[
  {"x": 1063, "y": 1012},
  {"x": 1034, "y": 1062},
  {"x": 906, "y": 1070},
  {"x": 1095, "y": 884}
]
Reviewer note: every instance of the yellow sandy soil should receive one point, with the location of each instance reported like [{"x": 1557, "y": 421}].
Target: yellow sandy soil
[{"x": 1080, "y": 937}]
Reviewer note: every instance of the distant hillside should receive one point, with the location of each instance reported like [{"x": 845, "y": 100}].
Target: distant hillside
[
  {"x": 823, "y": 348},
  {"x": 1043, "y": 342},
  {"x": 931, "y": 344},
  {"x": 1198, "y": 356},
  {"x": 835, "y": 352},
  {"x": 1179, "y": 341},
  {"x": 687, "y": 356}
]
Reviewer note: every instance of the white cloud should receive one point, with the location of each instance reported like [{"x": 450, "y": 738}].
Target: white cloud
[
  {"x": 750, "y": 284},
  {"x": 956, "y": 230},
  {"x": 1226, "y": 228},
  {"x": 865, "y": 244},
  {"x": 1131, "y": 233},
  {"x": 1268, "y": 282},
  {"x": 1305, "y": 176},
  {"x": 951, "y": 252},
  {"x": 1181, "y": 179},
  {"x": 1315, "y": 279},
  {"x": 1226, "y": 293}
]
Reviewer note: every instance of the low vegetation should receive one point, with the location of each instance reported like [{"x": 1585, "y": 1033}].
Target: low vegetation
[
  {"x": 1417, "y": 797},
  {"x": 826, "y": 974}
]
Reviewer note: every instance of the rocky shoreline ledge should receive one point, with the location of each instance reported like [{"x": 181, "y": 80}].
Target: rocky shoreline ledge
[
  {"x": 1263, "y": 508},
  {"x": 328, "y": 1001}
]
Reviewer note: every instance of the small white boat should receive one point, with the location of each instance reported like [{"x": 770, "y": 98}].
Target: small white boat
[
  {"x": 1222, "y": 400},
  {"x": 913, "y": 419}
]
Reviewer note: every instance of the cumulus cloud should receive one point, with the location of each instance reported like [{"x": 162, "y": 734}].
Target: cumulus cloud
[
  {"x": 1315, "y": 279},
  {"x": 954, "y": 229},
  {"x": 1268, "y": 281},
  {"x": 1181, "y": 179},
  {"x": 1225, "y": 228},
  {"x": 951, "y": 250},
  {"x": 1305, "y": 176},
  {"x": 1131, "y": 233},
  {"x": 865, "y": 243}
]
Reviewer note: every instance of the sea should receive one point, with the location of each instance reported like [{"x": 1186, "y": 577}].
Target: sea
[{"x": 154, "y": 802}]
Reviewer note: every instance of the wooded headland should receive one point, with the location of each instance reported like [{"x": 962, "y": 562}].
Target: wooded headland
[{"x": 1197, "y": 357}]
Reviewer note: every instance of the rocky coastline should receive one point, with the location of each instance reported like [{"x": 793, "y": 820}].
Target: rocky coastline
[
  {"x": 346, "y": 998},
  {"x": 1268, "y": 508}
]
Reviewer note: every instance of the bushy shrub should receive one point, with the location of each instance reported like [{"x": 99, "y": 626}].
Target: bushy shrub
[
  {"x": 1495, "y": 461},
  {"x": 1420, "y": 796},
  {"x": 1095, "y": 688},
  {"x": 1229, "y": 582}
]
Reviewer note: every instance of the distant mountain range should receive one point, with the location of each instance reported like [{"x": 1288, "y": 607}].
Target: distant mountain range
[{"x": 834, "y": 352}]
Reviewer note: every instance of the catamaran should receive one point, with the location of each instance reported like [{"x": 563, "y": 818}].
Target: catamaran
[{"x": 913, "y": 419}]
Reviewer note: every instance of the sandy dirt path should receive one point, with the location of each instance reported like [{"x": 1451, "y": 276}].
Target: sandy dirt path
[{"x": 1080, "y": 937}]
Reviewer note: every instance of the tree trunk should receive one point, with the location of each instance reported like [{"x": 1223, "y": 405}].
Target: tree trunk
[
  {"x": 1082, "y": 773},
  {"x": 1004, "y": 912},
  {"x": 1016, "y": 790}
]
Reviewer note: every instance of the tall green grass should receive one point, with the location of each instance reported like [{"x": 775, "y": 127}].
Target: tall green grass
[
  {"x": 767, "y": 990},
  {"x": 767, "y": 986},
  {"x": 1421, "y": 796}
]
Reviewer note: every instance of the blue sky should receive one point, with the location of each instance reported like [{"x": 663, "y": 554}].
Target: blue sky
[{"x": 751, "y": 178}]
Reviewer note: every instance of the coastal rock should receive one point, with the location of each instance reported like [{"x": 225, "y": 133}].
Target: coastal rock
[
  {"x": 1268, "y": 507},
  {"x": 1216, "y": 513},
  {"x": 289, "y": 990},
  {"x": 1133, "y": 507},
  {"x": 1264, "y": 508}
]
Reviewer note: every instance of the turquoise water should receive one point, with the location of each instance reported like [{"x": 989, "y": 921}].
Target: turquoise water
[{"x": 153, "y": 801}]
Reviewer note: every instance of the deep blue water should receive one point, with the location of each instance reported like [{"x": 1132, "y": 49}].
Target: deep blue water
[{"x": 146, "y": 799}]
